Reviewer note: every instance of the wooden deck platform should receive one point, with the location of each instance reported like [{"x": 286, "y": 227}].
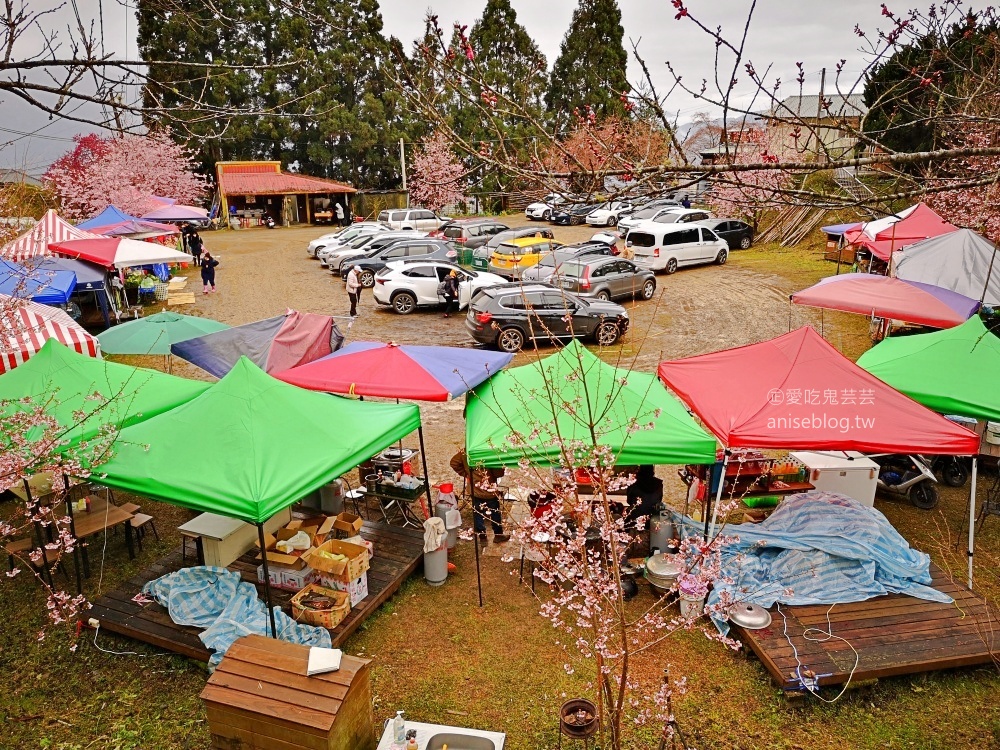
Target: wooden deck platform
[
  {"x": 398, "y": 553},
  {"x": 893, "y": 635}
]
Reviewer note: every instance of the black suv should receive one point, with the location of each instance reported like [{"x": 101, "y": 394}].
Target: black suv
[
  {"x": 570, "y": 216},
  {"x": 424, "y": 248},
  {"x": 472, "y": 233},
  {"x": 508, "y": 315}
]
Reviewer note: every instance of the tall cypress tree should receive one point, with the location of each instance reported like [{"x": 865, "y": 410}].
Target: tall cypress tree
[{"x": 590, "y": 69}]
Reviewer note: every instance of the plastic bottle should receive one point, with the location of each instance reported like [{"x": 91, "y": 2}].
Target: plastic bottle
[{"x": 399, "y": 729}]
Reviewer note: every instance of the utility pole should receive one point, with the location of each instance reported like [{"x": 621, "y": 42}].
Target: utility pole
[
  {"x": 402, "y": 163},
  {"x": 819, "y": 114}
]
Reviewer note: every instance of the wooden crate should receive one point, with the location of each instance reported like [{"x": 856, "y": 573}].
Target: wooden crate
[{"x": 260, "y": 699}]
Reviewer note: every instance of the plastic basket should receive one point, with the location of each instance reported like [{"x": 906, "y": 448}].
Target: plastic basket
[
  {"x": 325, "y": 618},
  {"x": 160, "y": 291}
]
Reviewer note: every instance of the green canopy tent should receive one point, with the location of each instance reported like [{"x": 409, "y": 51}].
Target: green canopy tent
[
  {"x": 155, "y": 334},
  {"x": 85, "y": 395},
  {"x": 264, "y": 445},
  {"x": 954, "y": 371},
  {"x": 531, "y": 412}
]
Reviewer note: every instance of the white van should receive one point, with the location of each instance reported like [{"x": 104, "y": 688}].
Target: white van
[{"x": 667, "y": 247}]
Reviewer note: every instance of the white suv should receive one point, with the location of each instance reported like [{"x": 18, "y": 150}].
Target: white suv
[
  {"x": 665, "y": 215},
  {"x": 667, "y": 247},
  {"x": 406, "y": 285},
  {"x": 412, "y": 218}
]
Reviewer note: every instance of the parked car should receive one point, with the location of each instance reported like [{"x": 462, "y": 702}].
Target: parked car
[
  {"x": 510, "y": 315},
  {"x": 663, "y": 215},
  {"x": 342, "y": 236},
  {"x": 412, "y": 218},
  {"x": 572, "y": 214},
  {"x": 481, "y": 255},
  {"x": 472, "y": 233},
  {"x": 736, "y": 233},
  {"x": 607, "y": 214},
  {"x": 644, "y": 202},
  {"x": 356, "y": 242},
  {"x": 542, "y": 210},
  {"x": 405, "y": 285},
  {"x": 549, "y": 263},
  {"x": 607, "y": 278},
  {"x": 424, "y": 248},
  {"x": 667, "y": 247},
  {"x": 510, "y": 258},
  {"x": 363, "y": 246}
]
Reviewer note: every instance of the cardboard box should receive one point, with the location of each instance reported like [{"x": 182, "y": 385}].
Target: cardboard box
[
  {"x": 283, "y": 577},
  {"x": 356, "y": 589},
  {"x": 317, "y": 528},
  {"x": 362, "y": 542},
  {"x": 349, "y": 523},
  {"x": 347, "y": 570}
]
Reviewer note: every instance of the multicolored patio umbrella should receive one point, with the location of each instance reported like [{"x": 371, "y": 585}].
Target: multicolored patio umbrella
[
  {"x": 884, "y": 297},
  {"x": 423, "y": 373}
]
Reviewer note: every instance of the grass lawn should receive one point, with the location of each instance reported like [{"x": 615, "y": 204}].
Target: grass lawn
[{"x": 442, "y": 659}]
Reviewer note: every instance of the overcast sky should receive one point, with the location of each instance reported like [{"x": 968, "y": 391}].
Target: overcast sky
[{"x": 816, "y": 33}]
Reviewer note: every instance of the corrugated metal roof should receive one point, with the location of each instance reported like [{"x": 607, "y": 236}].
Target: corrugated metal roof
[
  {"x": 807, "y": 105},
  {"x": 267, "y": 182}
]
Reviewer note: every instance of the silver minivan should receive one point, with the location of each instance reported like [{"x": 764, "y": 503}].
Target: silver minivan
[
  {"x": 412, "y": 218},
  {"x": 667, "y": 247}
]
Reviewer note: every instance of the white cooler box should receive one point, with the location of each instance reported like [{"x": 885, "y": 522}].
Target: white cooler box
[{"x": 852, "y": 474}]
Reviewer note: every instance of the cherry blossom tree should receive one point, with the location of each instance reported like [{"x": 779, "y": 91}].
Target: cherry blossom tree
[
  {"x": 749, "y": 195},
  {"x": 126, "y": 171},
  {"x": 438, "y": 177}
]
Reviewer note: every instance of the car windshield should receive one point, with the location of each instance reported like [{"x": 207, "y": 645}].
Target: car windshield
[
  {"x": 668, "y": 218},
  {"x": 646, "y": 213},
  {"x": 362, "y": 240},
  {"x": 604, "y": 207}
]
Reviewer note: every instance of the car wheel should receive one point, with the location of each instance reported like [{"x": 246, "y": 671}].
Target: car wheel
[
  {"x": 745, "y": 242},
  {"x": 924, "y": 495},
  {"x": 722, "y": 257},
  {"x": 671, "y": 266},
  {"x": 612, "y": 220},
  {"x": 510, "y": 340},
  {"x": 603, "y": 295},
  {"x": 367, "y": 279},
  {"x": 648, "y": 289},
  {"x": 607, "y": 334},
  {"x": 546, "y": 216},
  {"x": 404, "y": 303}
]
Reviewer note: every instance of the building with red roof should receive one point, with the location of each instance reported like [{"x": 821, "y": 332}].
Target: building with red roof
[{"x": 251, "y": 190}]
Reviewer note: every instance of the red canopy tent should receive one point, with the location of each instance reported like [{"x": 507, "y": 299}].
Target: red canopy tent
[
  {"x": 25, "y": 327},
  {"x": 884, "y": 236},
  {"x": 797, "y": 391}
]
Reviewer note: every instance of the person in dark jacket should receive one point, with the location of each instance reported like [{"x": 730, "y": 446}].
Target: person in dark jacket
[
  {"x": 480, "y": 483},
  {"x": 208, "y": 264},
  {"x": 450, "y": 292},
  {"x": 195, "y": 246}
]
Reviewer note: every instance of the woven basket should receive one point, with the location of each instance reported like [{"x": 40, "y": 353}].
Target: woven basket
[{"x": 325, "y": 618}]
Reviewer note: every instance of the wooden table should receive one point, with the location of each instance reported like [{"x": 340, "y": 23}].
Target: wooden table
[
  {"x": 40, "y": 484},
  {"x": 101, "y": 516}
]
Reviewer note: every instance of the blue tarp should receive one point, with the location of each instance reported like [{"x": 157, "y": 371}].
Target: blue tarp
[
  {"x": 821, "y": 548},
  {"x": 89, "y": 276},
  {"x": 109, "y": 216},
  {"x": 220, "y": 601},
  {"x": 837, "y": 229},
  {"x": 44, "y": 286}
]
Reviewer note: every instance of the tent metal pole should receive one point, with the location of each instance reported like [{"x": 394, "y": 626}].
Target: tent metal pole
[
  {"x": 972, "y": 517},
  {"x": 267, "y": 579},
  {"x": 40, "y": 541},
  {"x": 427, "y": 475},
  {"x": 475, "y": 546},
  {"x": 76, "y": 542},
  {"x": 718, "y": 496}
]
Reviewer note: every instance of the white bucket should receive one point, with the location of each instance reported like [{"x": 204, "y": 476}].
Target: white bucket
[
  {"x": 993, "y": 433},
  {"x": 692, "y": 607}
]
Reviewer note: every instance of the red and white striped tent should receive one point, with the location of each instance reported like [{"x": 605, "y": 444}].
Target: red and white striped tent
[
  {"x": 50, "y": 228},
  {"x": 26, "y": 326}
]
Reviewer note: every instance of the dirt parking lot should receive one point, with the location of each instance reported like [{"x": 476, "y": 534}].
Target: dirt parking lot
[{"x": 263, "y": 272}]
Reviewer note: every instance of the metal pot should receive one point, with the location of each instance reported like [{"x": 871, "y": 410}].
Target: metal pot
[
  {"x": 750, "y": 616},
  {"x": 662, "y": 570}
]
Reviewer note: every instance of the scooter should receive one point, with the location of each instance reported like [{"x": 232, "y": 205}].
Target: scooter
[
  {"x": 951, "y": 469},
  {"x": 269, "y": 222},
  {"x": 910, "y": 476}
]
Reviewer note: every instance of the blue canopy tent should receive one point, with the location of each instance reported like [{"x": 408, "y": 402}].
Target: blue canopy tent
[
  {"x": 44, "y": 286},
  {"x": 89, "y": 278}
]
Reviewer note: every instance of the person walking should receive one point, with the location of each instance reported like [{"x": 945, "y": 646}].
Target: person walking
[
  {"x": 339, "y": 210},
  {"x": 686, "y": 202},
  {"x": 195, "y": 245},
  {"x": 208, "y": 264},
  {"x": 354, "y": 288},
  {"x": 450, "y": 292}
]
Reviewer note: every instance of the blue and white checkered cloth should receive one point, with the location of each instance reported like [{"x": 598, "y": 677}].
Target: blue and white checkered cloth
[
  {"x": 821, "y": 548},
  {"x": 220, "y": 601}
]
